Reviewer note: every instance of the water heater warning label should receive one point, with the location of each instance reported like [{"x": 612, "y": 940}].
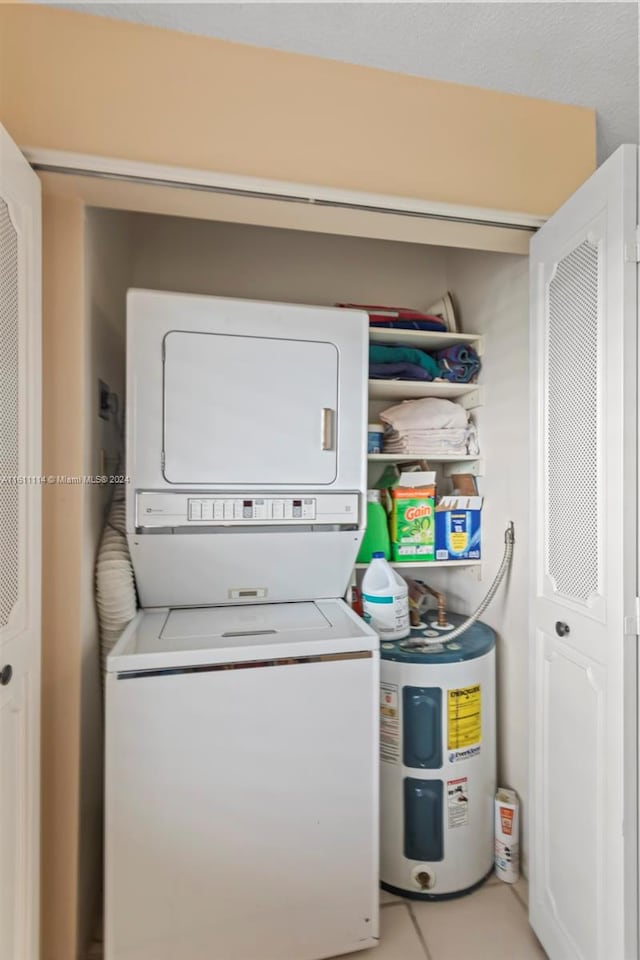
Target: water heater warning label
[
  {"x": 389, "y": 723},
  {"x": 464, "y": 721},
  {"x": 458, "y": 802}
]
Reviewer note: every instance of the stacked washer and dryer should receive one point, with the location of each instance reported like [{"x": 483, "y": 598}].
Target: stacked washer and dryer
[{"x": 242, "y": 700}]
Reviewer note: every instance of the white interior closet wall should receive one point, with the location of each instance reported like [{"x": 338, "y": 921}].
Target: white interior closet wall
[
  {"x": 492, "y": 291},
  {"x": 108, "y": 259},
  {"x": 237, "y": 260}
]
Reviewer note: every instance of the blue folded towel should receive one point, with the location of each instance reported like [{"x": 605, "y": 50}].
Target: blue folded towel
[{"x": 459, "y": 363}]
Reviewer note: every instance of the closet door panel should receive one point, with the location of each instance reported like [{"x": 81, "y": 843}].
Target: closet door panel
[
  {"x": 20, "y": 553},
  {"x": 583, "y": 900}
]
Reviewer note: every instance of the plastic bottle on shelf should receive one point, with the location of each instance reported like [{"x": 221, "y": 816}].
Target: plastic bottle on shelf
[
  {"x": 385, "y": 599},
  {"x": 376, "y": 536}
]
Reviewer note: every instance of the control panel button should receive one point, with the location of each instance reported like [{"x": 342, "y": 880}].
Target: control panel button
[
  {"x": 207, "y": 509},
  {"x": 195, "y": 509}
]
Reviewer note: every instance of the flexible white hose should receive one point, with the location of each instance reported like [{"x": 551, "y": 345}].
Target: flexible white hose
[
  {"x": 116, "y": 598},
  {"x": 509, "y": 538}
]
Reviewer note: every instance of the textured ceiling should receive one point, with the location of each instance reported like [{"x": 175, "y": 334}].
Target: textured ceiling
[{"x": 580, "y": 53}]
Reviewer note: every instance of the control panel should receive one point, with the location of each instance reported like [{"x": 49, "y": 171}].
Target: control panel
[
  {"x": 154, "y": 510},
  {"x": 258, "y": 509}
]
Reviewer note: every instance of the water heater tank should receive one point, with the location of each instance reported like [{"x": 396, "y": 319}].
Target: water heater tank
[{"x": 438, "y": 762}]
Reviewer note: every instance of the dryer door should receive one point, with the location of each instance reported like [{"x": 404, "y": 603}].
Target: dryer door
[{"x": 249, "y": 410}]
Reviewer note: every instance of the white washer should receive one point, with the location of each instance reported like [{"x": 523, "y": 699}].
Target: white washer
[{"x": 247, "y": 740}]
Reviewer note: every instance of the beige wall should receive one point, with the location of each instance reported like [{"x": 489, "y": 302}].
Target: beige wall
[
  {"x": 107, "y": 266},
  {"x": 63, "y": 401},
  {"x": 83, "y": 340},
  {"x": 76, "y": 82}
]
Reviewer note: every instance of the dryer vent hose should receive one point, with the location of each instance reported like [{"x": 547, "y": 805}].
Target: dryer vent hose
[
  {"x": 116, "y": 598},
  {"x": 509, "y": 539}
]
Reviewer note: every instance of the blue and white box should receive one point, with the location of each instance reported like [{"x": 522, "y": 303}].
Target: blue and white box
[{"x": 458, "y": 528}]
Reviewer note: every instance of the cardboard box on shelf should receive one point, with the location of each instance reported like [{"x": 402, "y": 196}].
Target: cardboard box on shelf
[
  {"x": 412, "y": 513},
  {"x": 458, "y": 528}
]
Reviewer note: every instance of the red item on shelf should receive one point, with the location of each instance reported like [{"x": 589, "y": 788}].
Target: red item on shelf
[
  {"x": 380, "y": 314},
  {"x": 356, "y": 601}
]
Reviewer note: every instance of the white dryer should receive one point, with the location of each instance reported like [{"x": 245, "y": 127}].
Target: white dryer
[
  {"x": 246, "y": 439},
  {"x": 241, "y": 729}
]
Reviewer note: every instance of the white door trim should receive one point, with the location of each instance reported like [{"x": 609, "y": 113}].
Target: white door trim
[{"x": 59, "y": 161}]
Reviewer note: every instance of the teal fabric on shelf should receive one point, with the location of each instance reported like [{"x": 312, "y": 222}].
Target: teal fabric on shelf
[{"x": 379, "y": 353}]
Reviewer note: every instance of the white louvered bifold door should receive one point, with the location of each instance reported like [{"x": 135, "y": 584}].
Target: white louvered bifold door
[
  {"x": 20, "y": 553},
  {"x": 583, "y": 796}
]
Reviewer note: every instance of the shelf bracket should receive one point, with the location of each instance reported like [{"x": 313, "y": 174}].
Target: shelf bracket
[
  {"x": 473, "y": 399},
  {"x": 474, "y": 467}
]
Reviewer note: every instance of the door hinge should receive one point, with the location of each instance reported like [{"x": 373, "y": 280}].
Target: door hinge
[
  {"x": 632, "y": 250},
  {"x": 632, "y": 623}
]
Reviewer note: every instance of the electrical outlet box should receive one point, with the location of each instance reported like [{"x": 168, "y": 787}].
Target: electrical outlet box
[{"x": 104, "y": 400}]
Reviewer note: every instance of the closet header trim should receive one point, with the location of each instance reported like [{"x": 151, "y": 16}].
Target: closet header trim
[{"x": 108, "y": 168}]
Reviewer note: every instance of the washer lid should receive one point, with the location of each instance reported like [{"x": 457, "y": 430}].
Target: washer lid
[
  {"x": 200, "y": 636},
  {"x": 258, "y": 623}
]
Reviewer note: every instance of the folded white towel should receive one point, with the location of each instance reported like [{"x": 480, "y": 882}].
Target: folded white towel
[
  {"x": 429, "y": 441},
  {"x": 426, "y": 413},
  {"x": 432, "y": 442}
]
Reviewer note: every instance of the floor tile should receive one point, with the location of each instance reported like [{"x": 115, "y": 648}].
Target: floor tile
[
  {"x": 491, "y": 879},
  {"x": 387, "y": 898},
  {"x": 398, "y": 938},
  {"x": 521, "y": 890},
  {"x": 487, "y": 925}
]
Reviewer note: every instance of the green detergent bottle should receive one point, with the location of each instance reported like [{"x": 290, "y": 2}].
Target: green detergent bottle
[{"x": 376, "y": 536}]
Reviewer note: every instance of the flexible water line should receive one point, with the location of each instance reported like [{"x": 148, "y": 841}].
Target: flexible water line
[
  {"x": 116, "y": 599},
  {"x": 509, "y": 538}
]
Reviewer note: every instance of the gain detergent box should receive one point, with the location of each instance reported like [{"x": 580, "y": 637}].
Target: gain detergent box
[
  {"x": 412, "y": 517},
  {"x": 457, "y": 521}
]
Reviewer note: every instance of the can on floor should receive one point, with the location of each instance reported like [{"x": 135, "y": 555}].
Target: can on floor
[{"x": 507, "y": 826}]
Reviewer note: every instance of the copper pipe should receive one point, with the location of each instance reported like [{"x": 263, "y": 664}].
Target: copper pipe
[{"x": 442, "y": 604}]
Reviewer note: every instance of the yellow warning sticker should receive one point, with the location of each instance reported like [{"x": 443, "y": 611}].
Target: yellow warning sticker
[
  {"x": 389, "y": 723},
  {"x": 464, "y": 717}
]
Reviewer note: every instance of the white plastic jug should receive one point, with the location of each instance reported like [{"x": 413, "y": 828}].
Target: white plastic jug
[{"x": 385, "y": 600}]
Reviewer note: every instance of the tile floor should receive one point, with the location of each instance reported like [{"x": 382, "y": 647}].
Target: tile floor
[{"x": 490, "y": 924}]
